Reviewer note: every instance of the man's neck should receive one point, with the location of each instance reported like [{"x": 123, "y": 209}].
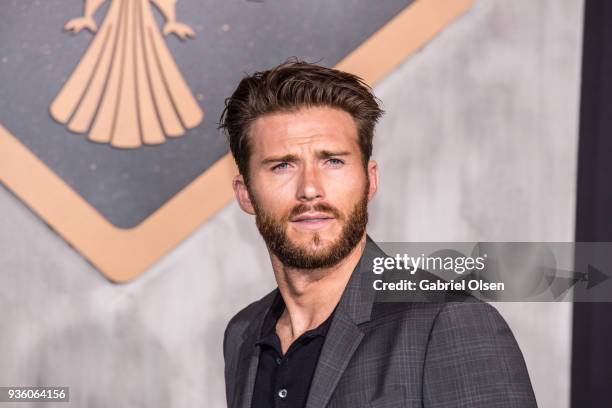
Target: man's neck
[{"x": 311, "y": 295}]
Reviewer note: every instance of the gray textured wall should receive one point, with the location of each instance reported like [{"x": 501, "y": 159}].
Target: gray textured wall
[{"x": 479, "y": 143}]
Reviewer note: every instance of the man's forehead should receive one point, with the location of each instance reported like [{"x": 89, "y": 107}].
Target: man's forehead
[{"x": 309, "y": 127}]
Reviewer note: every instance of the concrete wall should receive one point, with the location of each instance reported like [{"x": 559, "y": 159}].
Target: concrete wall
[{"x": 479, "y": 143}]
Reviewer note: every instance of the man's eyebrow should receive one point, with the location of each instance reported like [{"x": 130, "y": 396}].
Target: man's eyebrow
[
  {"x": 325, "y": 154},
  {"x": 290, "y": 158}
]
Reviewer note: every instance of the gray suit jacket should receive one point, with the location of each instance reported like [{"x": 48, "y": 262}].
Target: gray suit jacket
[{"x": 386, "y": 355}]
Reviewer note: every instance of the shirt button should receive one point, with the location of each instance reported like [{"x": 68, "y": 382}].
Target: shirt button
[
  {"x": 282, "y": 393},
  {"x": 278, "y": 360}
]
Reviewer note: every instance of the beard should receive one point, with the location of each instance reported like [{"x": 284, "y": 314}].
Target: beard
[{"x": 274, "y": 233}]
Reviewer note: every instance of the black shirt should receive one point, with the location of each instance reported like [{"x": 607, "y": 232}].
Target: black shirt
[{"x": 284, "y": 381}]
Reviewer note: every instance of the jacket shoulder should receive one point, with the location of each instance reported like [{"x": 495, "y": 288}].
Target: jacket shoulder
[
  {"x": 472, "y": 351},
  {"x": 241, "y": 320}
]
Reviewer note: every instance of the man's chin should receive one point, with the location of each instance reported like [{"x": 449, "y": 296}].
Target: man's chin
[
  {"x": 308, "y": 257},
  {"x": 316, "y": 240},
  {"x": 312, "y": 245}
]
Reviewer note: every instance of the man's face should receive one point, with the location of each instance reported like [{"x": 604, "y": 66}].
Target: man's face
[{"x": 307, "y": 185}]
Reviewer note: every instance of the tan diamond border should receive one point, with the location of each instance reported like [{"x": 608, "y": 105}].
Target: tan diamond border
[{"x": 123, "y": 254}]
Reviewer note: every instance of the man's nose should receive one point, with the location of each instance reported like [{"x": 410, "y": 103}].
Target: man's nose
[{"x": 310, "y": 186}]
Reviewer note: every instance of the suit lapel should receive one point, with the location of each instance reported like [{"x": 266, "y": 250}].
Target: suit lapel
[
  {"x": 247, "y": 370},
  {"x": 248, "y": 356},
  {"x": 344, "y": 335},
  {"x": 342, "y": 340}
]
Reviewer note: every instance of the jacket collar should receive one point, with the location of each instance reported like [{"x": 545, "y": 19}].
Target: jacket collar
[
  {"x": 345, "y": 335},
  {"x": 356, "y": 302}
]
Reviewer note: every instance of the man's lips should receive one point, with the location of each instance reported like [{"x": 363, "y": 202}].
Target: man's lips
[
  {"x": 312, "y": 221},
  {"x": 312, "y": 217}
]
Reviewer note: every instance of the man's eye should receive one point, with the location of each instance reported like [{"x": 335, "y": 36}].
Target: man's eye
[
  {"x": 280, "y": 166},
  {"x": 335, "y": 162}
]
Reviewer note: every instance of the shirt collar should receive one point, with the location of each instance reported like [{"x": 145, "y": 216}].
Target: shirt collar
[{"x": 268, "y": 328}]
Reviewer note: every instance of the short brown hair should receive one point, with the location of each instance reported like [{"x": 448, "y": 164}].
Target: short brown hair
[{"x": 290, "y": 86}]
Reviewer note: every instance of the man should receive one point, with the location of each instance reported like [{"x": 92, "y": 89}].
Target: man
[{"x": 301, "y": 135}]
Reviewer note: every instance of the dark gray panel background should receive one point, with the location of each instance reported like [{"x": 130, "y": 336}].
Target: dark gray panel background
[{"x": 126, "y": 186}]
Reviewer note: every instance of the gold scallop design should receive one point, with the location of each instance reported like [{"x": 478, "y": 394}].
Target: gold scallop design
[{"x": 127, "y": 89}]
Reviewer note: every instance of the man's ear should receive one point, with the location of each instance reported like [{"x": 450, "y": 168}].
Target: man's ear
[
  {"x": 373, "y": 175},
  {"x": 242, "y": 194}
]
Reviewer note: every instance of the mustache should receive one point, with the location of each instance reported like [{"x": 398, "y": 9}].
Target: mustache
[{"x": 319, "y": 207}]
